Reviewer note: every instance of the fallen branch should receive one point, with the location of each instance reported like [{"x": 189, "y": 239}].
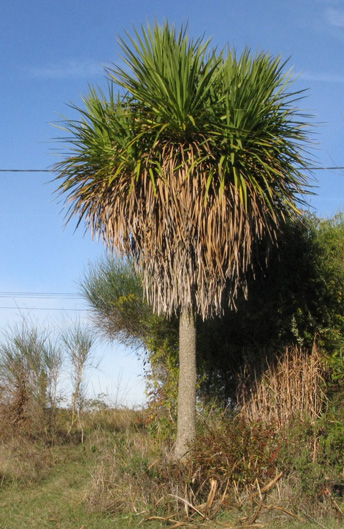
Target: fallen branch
[
  {"x": 255, "y": 516},
  {"x": 188, "y": 504},
  {"x": 269, "y": 486},
  {"x": 212, "y": 493},
  {"x": 221, "y": 502}
]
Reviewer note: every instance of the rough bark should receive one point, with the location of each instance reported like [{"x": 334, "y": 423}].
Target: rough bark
[{"x": 186, "y": 429}]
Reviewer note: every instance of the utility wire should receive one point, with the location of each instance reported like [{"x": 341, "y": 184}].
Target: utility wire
[
  {"x": 26, "y": 171},
  {"x": 332, "y": 168},
  {"x": 46, "y": 308},
  {"x": 43, "y": 295}
]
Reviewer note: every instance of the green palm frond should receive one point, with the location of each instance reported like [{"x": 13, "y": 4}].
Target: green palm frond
[{"x": 167, "y": 73}]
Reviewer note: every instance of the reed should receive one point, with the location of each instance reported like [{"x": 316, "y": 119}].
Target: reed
[{"x": 292, "y": 387}]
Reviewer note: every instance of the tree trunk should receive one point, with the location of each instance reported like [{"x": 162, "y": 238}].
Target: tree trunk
[{"x": 186, "y": 427}]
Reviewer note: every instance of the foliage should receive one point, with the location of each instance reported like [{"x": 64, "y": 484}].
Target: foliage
[
  {"x": 197, "y": 157},
  {"x": 295, "y": 399},
  {"x": 30, "y": 366},
  {"x": 114, "y": 291},
  {"x": 77, "y": 343},
  {"x": 311, "y": 453},
  {"x": 331, "y": 428},
  {"x": 232, "y": 460},
  {"x": 120, "y": 476},
  {"x": 291, "y": 301},
  {"x": 330, "y": 234},
  {"x": 237, "y": 451},
  {"x": 31, "y": 363}
]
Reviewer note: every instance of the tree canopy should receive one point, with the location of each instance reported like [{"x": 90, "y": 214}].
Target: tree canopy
[{"x": 193, "y": 160}]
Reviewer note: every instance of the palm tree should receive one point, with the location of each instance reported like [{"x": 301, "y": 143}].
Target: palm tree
[{"x": 195, "y": 159}]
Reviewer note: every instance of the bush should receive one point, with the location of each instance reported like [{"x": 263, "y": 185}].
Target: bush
[{"x": 29, "y": 370}]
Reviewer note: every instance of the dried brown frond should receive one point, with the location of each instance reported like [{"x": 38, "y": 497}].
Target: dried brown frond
[{"x": 188, "y": 241}]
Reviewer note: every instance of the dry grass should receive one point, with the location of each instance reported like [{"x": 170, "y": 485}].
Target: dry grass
[
  {"x": 294, "y": 387},
  {"x": 124, "y": 473},
  {"x": 123, "y": 477},
  {"x": 253, "y": 469},
  {"x": 115, "y": 419},
  {"x": 243, "y": 466},
  {"x": 23, "y": 461}
]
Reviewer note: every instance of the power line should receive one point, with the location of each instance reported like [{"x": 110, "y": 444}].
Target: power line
[
  {"x": 334, "y": 168},
  {"x": 26, "y": 171},
  {"x": 42, "y": 295},
  {"x": 46, "y": 308},
  {"x": 331, "y": 168}
]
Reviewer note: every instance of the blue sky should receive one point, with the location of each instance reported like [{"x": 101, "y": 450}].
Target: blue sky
[{"x": 51, "y": 50}]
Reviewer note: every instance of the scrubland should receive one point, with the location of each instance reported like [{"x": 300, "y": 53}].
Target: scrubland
[{"x": 275, "y": 461}]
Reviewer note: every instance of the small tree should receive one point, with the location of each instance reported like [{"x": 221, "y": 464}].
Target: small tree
[
  {"x": 29, "y": 372},
  {"x": 53, "y": 359},
  {"x": 78, "y": 343}
]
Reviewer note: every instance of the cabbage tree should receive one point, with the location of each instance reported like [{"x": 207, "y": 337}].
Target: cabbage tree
[{"x": 192, "y": 157}]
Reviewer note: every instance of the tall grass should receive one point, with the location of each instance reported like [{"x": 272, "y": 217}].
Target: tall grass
[{"x": 293, "y": 386}]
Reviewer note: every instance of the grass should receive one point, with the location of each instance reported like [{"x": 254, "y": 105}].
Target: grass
[
  {"x": 58, "y": 499},
  {"x": 278, "y": 523},
  {"x": 123, "y": 477}
]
